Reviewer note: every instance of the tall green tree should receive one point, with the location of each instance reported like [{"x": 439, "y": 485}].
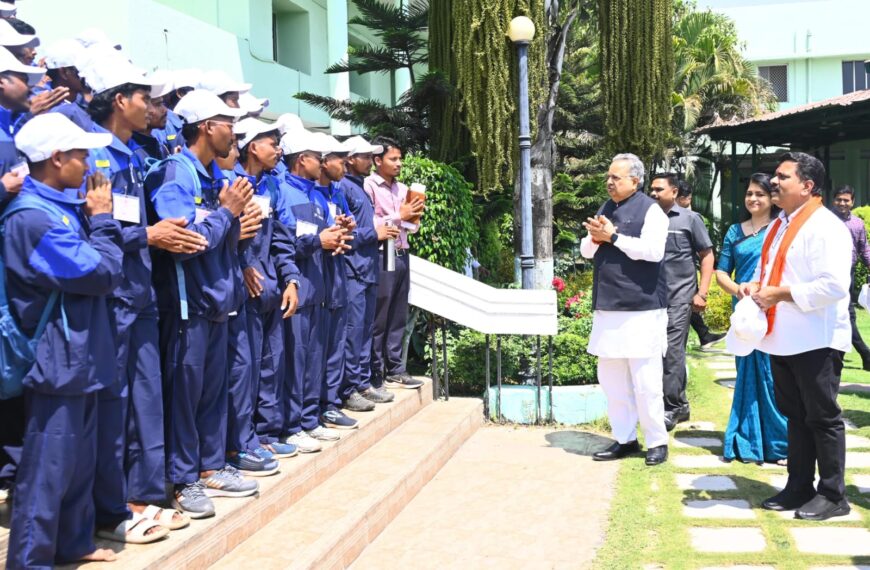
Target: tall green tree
[
  {"x": 403, "y": 45},
  {"x": 637, "y": 67}
]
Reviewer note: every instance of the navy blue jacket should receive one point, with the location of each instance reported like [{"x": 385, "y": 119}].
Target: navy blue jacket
[
  {"x": 150, "y": 147},
  {"x": 46, "y": 253},
  {"x": 209, "y": 275},
  {"x": 361, "y": 262},
  {"x": 126, "y": 170},
  {"x": 334, "y": 274},
  {"x": 304, "y": 207},
  {"x": 76, "y": 111},
  {"x": 9, "y": 155},
  {"x": 170, "y": 135},
  {"x": 273, "y": 250}
]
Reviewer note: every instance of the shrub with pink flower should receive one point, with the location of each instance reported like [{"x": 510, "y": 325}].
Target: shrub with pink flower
[{"x": 558, "y": 284}]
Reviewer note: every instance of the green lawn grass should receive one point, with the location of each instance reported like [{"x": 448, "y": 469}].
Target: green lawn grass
[
  {"x": 647, "y": 526},
  {"x": 852, "y": 371}
]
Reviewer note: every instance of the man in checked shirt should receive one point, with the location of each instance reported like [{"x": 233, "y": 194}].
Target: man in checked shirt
[
  {"x": 391, "y": 313},
  {"x": 844, "y": 200}
]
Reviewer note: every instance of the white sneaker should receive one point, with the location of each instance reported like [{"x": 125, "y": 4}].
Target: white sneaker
[
  {"x": 304, "y": 442},
  {"x": 324, "y": 434}
]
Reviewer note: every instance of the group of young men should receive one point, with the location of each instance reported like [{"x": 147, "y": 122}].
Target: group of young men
[{"x": 207, "y": 292}]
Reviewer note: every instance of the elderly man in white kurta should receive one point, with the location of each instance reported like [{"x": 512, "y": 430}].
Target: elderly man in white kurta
[{"x": 627, "y": 240}]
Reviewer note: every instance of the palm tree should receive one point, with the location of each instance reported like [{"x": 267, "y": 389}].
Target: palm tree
[{"x": 403, "y": 45}]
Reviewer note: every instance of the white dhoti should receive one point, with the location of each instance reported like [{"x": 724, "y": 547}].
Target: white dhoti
[{"x": 629, "y": 346}]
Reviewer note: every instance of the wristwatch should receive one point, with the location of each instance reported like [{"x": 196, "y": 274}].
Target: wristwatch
[{"x": 613, "y": 237}]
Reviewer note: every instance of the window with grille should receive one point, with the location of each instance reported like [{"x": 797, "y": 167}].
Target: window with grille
[
  {"x": 855, "y": 77},
  {"x": 777, "y": 76}
]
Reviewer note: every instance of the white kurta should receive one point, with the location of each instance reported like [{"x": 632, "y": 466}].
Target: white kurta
[{"x": 632, "y": 334}]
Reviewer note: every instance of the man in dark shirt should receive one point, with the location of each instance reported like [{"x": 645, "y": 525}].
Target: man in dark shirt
[
  {"x": 844, "y": 199},
  {"x": 687, "y": 237}
]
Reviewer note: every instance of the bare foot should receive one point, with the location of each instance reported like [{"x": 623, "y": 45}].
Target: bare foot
[
  {"x": 100, "y": 555},
  {"x": 782, "y": 462}
]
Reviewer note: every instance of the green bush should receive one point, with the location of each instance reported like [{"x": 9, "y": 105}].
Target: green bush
[
  {"x": 448, "y": 228},
  {"x": 718, "y": 313},
  {"x": 861, "y": 273}
]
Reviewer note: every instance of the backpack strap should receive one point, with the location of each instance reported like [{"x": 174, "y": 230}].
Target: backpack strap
[{"x": 20, "y": 203}]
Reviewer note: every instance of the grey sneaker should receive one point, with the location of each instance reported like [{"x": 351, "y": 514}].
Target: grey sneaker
[
  {"x": 192, "y": 500},
  {"x": 324, "y": 434},
  {"x": 304, "y": 442},
  {"x": 228, "y": 482},
  {"x": 356, "y": 403},
  {"x": 403, "y": 380},
  {"x": 378, "y": 395}
]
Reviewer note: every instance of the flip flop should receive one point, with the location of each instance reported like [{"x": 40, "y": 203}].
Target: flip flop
[
  {"x": 133, "y": 531},
  {"x": 166, "y": 517}
]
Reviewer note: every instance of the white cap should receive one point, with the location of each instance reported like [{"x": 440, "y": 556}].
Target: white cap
[
  {"x": 63, "y": 53},
  {"x": 748, "y": 327},
  {"x": 250, "y": 128},
  {"x": 95, "y": 36},
  {"x": 199, "y": 105},
  {"x": 301, "y": 141},
  {"x": 9, "y": 62},
  {"x": 108, "y": 72},
  {"x": 289, "y": 123},
  {"x": 9, "y": 36},
  {"x": 252, "y": 105},
  {"x": 161, "y": 83},
  {"x": 358, "y": 145},
  {"x": 46, "y": 133},
  {"x": 7, "y": 8},
  {"x": 219, "y": 82},
  {"x": 331, "y": 145},
  {"x": 186, "y": 78}
]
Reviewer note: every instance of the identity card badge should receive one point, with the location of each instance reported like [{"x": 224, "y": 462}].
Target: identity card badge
[
  {"x": 265, "y": 204},
  {"x": 201, "y": 215},
  {"x": 126, "y": 208},
  {"x": 21, "y": 169},
  {"x": 305, "y": 228}
]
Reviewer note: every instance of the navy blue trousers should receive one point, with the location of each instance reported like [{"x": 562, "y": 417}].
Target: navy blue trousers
[
  {"x": 268, "y": 368},
  {"x": 240, "y": 409},
  {"x": 195, "y": 396},
  {"x": 53, "y": 516},
  {"x": 12, "y": 422},
  {"x": 391, "y": 318},
  {"x": 305, "y": 339},
  {"x": 336, "y": 339},
  {"x": 361, "y": 300}
]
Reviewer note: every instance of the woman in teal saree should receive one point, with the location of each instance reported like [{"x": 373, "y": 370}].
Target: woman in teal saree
[{"x": 757, "y": 431}]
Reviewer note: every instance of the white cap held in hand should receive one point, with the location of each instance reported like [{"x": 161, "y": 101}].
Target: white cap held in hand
[
  {"x": 46, "y": 133},
  {"x": 199, "y": 105},
  {"x": 748, "y": 327}
]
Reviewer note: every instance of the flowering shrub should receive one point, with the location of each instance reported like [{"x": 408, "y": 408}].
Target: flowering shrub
[{"x": 558, "y": 284}]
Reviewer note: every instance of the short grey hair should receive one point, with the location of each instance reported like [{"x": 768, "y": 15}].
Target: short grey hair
[{"x": 636, "y": 166}]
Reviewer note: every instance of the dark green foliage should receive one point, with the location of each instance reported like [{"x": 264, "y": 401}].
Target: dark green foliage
[{"x": 448, "y": 228}]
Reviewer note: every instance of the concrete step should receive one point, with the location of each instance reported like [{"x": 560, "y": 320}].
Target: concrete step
[
  {"x": 330, "y": 526},
  {"x": 206, "y": 541}
]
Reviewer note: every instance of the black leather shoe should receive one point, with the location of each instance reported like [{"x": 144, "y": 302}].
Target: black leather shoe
[
  {"x": 657, "y": 455},
  {"x": 617, "y": 451},
  {"x": 670, "y": 421},
  {"x": 785, "y": 501},
  {"x": 821, "y": 508}
]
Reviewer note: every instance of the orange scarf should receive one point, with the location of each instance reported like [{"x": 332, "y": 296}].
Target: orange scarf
[{"x": 779, "y": 261}]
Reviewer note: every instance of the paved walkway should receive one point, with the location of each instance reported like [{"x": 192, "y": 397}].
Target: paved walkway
[
  {"x": 723, "y": 521},
  {"x": 523, "y": 498}
]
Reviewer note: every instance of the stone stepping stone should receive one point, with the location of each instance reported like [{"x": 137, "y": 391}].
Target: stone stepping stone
[
  {"x": 724, "y": 374},
  {"x": 722, "y": 365},
  {"x": 734, "y": 509},
  {"x": 696, "y": 442},
  {"x": 727, "y": 383},
  {"x": 688, "y": 482},
  {"x": 773, "y": 466},
  {"x": 862, "y": 482},
  {"x": 727, "y": 539},
  {"x": 832, "y": 541},
  {"x": 698, "y": 462},
  {"x": 858, "y": 460},
  {"x": 698, "y": 426},
  {"x": 861, "y": 567},
  {"x": 739, "y": 567},
  {"x": 849, "y": 425},
  {"x": 856, "y": 441},
  {"x": 853, "y": 516}
]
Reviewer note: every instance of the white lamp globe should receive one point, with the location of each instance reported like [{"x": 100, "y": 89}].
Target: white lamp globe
[{"x": 521, "y": 30}]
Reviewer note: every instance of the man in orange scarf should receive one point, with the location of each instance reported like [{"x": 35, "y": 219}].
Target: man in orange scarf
[{"x": 802, "y": 282}]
